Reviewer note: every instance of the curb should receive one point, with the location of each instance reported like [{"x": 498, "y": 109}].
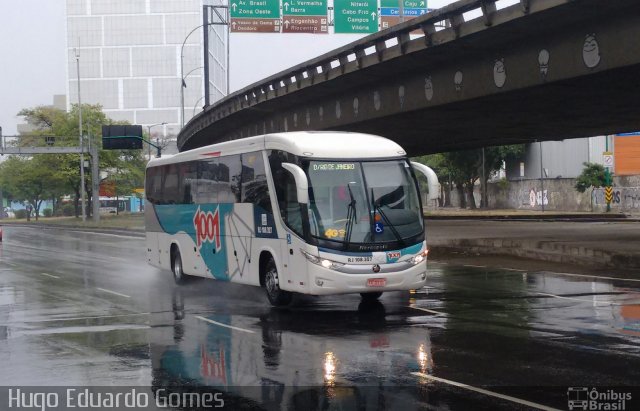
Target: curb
[{"x": 549, "y": 251}]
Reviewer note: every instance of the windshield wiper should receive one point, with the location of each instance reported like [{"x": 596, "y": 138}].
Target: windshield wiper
[
  {"x": 351, "y": 217},
  {"x": 377, "y": 208}
]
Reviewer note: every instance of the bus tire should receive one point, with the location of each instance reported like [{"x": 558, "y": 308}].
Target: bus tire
[
  {"x": 176, "y": 267},
  {"x": 276, "y": 296},
  {"x": 369, "y": 297}
]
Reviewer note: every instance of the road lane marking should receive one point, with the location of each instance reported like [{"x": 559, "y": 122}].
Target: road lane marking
[
  {"x": 224, "y": 325},
  {"x": 50, "y": 275},
  {"x": 579, "y": 299},
  {"x": 486, "y": 392},
  {"x": 113, "y": 292},
  {"x": 84, "y": 318},
  {"x": 427, "y": 310}
]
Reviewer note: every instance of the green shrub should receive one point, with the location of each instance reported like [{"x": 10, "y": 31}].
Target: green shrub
[
  {"x": 68, "y": 210},
  {"x": 21, "y": 213},
  {"x": 47, "y": 212}
]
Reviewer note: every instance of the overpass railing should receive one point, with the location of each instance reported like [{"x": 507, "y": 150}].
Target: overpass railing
[{"x": 357, "y": 55}]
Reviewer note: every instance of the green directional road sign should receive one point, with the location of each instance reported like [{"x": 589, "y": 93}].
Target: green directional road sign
[
  {"x": 409, "y": 4},
  {"x": 255, "y": 9},
  {"x": 304, "y": 7},
  {"x": 356, "y": 16},
  {"x": 255, "y": 16},
  {"x": 305, "y": 16}
]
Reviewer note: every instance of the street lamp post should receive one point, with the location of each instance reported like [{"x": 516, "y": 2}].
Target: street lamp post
[
  {"x": 83, "y": 207},
  {"x": 196, "y": 105},
  {"x": 149, "y": 133},
  {"x": 182, "y": 83},
  {"x": 224, "y": 18}
]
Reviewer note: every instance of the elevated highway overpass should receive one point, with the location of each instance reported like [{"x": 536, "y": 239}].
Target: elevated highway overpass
[{"x": 537, "y": 70}]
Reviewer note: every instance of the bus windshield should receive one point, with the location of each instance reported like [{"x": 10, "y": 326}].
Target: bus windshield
[{"x": 356, "y": 202}]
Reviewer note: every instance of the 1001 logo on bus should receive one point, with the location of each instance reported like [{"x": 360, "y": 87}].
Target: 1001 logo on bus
[{"x": 207, "y": 227}]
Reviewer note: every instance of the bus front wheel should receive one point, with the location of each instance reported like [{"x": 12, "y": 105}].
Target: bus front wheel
[
  {"x": 276, "y": 296},
  {"x": 176, "y": 267}
]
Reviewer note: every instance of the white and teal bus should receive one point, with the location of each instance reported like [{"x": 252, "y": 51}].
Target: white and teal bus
[{"x": 307, "y": 212}]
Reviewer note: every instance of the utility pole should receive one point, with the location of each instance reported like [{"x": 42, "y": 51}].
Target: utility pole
[
  {"x": 84, "y": 211},
  {"x": 483, "y": 185},
  {"x": 95, "y": 180},
  {"x": 541, "y": 178}
]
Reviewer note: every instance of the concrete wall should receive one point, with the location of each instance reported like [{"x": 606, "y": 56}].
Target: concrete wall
[{"x": 559, "y": 195}]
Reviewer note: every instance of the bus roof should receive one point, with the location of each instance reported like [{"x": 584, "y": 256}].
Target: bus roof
[{"x": 318, "y": 144}]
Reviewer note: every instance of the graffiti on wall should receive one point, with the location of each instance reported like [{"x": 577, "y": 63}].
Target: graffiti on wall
[
  {"x": 627, "y": 198},
  {"x": 537, "y": 198}
]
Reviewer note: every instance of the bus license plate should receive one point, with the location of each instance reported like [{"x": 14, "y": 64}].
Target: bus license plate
[
  {"x": 376, "y": 282},
  {"x": 359, "y": 259}
]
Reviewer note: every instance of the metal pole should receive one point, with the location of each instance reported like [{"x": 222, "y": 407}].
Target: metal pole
[
  {"x": 205, "y": 46},
  {"x": 182, "y": 83},
  {"x": 84, "y": 211},
  {"x": 541, "y": 178},
  {"x": 484, "y": 184},
  {"x": 228, "y": 46},
  {"x": 95, "y": 182}
]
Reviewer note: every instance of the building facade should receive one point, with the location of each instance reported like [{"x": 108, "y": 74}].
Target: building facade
[
  {"x": 559, "y": 159},
  {"x": 134, "y": 57}
]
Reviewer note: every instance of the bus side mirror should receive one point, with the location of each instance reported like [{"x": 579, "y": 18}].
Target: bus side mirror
[
  {"x": 302, "y": 186},
  {"x": 432, "y": 179}
]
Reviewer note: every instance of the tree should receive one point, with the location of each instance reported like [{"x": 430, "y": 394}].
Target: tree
[
  {"x": 438, "y": 164},
  {"x": 593, "y": 175},
  {"x": 464, "y": 168},
  {"x": 64, "y": 126},
  {"x": 29, "y": 180}
]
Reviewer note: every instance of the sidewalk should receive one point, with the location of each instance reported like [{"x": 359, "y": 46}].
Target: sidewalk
[{"x": 595, "y": 243}]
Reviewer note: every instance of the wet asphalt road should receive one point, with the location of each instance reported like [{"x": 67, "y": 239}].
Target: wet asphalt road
[{"x": 78, "y": 308}]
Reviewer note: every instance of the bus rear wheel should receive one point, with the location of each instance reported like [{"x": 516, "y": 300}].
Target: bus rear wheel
[
  {"x": 176, "y": 268},
  {"x": 276, "y": 296},
  {"x": 369, "y": 297}
]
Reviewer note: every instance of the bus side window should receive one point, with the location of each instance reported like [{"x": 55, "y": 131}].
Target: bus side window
[
  {"x": 170, "y": 192},
  {"x": 206, "y": 181},
  {"x": 254, "y": 181},
  {"x": 189, "y": 176},
  {"x": 286, "y": 190}
]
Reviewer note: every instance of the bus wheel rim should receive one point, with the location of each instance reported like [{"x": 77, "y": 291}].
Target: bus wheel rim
[
  {"x": 177, "y": 268},
  {"x": 272, "y": 282}
]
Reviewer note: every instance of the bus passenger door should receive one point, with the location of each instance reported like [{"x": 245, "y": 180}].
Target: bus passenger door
[{"x": 294, "y": 263}]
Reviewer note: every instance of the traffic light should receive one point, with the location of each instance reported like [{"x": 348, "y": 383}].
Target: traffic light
[{"x": 122, "y": 137}]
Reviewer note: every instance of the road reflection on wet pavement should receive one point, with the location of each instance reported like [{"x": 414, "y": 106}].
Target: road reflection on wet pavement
[{"x": 85, "y": 309}]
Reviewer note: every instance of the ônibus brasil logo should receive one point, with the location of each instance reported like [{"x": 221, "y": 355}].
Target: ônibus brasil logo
[{"x": 207, "y": 227}]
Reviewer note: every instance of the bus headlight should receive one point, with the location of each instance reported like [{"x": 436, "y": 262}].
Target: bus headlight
[
  {"x": 418, "y": 258},
  {"x": 321, "y": 261}
]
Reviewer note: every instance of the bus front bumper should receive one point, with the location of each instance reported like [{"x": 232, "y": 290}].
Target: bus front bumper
[{"x": 324, "y": 281}]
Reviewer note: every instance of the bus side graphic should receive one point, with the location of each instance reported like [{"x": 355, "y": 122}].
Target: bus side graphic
[{"x": 189, "y": 219}]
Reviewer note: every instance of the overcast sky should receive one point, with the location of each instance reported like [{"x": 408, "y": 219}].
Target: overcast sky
[{"x": 32, "y": 54}]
